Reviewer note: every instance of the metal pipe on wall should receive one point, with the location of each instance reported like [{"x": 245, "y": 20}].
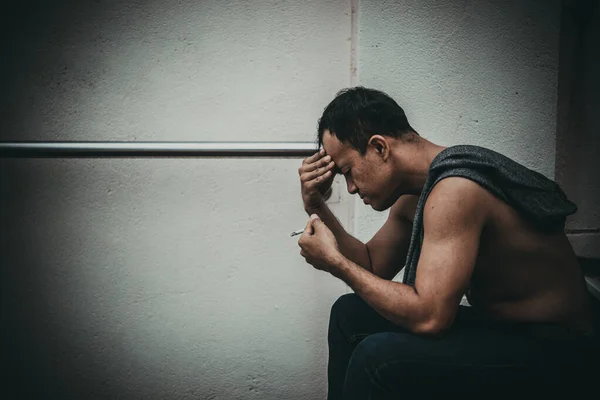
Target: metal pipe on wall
[{"x": 154, "y": 149}]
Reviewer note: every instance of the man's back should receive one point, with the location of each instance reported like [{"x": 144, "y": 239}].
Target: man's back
[{"x": 523, "y": 274}]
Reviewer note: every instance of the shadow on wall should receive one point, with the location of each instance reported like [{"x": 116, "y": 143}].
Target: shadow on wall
[
  {"x": 34, "y": 37},
  {"x": 28, "y": 344},
  {"x": 125, "y": 293},
  {"x": 32, "y": 34}
]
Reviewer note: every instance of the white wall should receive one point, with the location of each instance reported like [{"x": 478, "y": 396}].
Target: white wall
[
  {"x": 162, "y": 70},
  {"x": 466, "y": 72},
  {"x": 162, "y": 279},
  {"x": 176, "y": 278}
]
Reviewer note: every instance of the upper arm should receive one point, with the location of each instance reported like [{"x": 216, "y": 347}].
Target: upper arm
[
  {"x": 453, "y": 219},
  {"x": 389, "y": 246}
]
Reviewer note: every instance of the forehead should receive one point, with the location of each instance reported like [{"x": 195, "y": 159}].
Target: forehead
[{"x": 335, "y": 148}]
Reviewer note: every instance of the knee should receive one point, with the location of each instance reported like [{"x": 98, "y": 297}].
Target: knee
[
  {"x": 385, "y": 356},
  {"x": 341, "y": 309},
  {"x": 344, "y": 305},
  {"x": 370, "y": 365},
  {"x": 369, "y": 351}
]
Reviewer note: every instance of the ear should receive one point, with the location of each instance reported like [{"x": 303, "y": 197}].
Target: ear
[{"x": 380, "y": 145}]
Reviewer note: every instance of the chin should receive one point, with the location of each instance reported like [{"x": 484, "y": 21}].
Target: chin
[{"x": 377, "y": 207}]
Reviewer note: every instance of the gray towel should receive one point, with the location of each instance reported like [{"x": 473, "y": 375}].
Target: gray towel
[{"x": 536, "y": 197}]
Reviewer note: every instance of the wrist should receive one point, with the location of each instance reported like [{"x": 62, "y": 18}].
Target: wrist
[
  {"x": 314, "y": 208},
  {"x": 338, "y": 264}
]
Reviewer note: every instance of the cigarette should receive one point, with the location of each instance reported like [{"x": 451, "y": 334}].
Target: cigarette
[{"x": 297, "y": 232}]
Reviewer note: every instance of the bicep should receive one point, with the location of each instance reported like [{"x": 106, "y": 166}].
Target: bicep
[{"x": 453, "y": 221}]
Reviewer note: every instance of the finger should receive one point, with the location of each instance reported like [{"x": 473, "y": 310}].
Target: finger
[
  {"x": 309, "y": 176},
  {"x": 309, "y": 228},
  {"x": 324, "y": 162},
  {"x": 328, "y": 180},
  {"x": 314, "y": 157},
  {"x": 317, "y": 224},
  {"x": 314, "y": 219},
  {"x": 312, "y": 183},
  {"x": 303, "y": 253}
]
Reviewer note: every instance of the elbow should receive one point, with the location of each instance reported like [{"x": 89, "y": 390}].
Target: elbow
[
  {"x": 433, "y": 319},
  {"x": 434, "y": 327}
]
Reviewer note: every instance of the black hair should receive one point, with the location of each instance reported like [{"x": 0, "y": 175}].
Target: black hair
[{"x": 357, "y": 113}]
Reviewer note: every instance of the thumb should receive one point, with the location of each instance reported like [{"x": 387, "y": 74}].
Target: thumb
[
  {"x": 316, "y": 222},
  {"x": 309, "y": 230}
]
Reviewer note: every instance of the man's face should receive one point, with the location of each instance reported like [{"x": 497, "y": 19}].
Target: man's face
[{"x": 364, "y": 175}]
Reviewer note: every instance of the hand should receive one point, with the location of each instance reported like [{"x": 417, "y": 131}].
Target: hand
[
  {"x": 319, "y": 245},
  {"x": 316, "y": 177}
]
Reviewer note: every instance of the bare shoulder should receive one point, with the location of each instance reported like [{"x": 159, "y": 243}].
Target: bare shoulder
[
  {"x": 457, "y": 190},
  {"x": 457, "y": 201},
  {"x": 404, "y": 208}
]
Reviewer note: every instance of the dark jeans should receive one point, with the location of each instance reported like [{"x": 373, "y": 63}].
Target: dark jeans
[{"x": 371, "y": 358}]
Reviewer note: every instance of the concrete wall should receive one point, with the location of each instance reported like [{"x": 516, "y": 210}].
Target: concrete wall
[
  {"x": 175, "y": 278},
  {"x": 466, "y": 72},
  {"x": 161, "y": 70},
  {"x": 164, "y": 278}
]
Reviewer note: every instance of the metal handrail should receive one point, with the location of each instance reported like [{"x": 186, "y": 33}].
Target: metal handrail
[{"x": 154, "y": 149}]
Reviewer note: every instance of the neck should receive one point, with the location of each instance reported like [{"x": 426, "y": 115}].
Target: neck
[{"x": 415, "y": 158}]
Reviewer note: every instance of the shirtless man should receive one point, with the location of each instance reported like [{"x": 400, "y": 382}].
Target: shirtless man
[{"x": 529, "y": 302}]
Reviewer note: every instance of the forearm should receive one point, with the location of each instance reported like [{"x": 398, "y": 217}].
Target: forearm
[
  {"x": 397, "y": 302},
  {"x": 352, "y": 248}
]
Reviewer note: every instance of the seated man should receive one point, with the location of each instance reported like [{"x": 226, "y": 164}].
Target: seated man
[{"x": 463, "y": 220}]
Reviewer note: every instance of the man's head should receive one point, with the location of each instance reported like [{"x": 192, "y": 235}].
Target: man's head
[
  {"x": 358, "y": 113},
  {"x": 363, "y": 131}
]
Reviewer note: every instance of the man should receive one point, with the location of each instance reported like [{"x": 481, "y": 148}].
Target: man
[{"x": 486, "y": 235}]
